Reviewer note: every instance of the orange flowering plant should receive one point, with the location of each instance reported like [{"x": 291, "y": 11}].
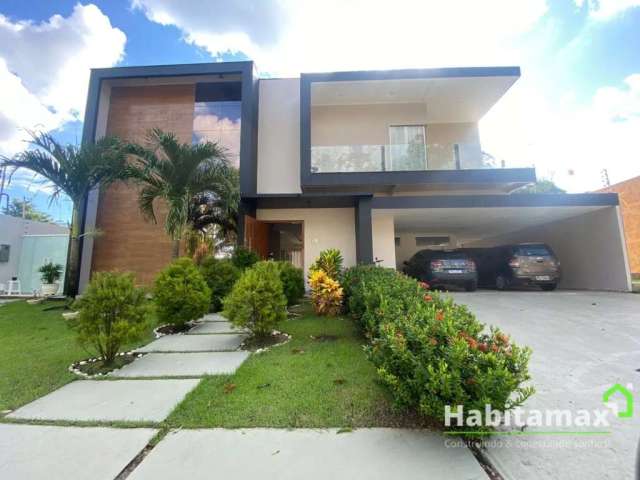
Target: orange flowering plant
[{"x": 430, "y": 351}]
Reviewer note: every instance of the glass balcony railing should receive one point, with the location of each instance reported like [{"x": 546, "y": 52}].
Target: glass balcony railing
[{"x": 398, "y": 158}]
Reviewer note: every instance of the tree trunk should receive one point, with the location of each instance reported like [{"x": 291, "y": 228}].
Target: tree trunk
[
  {"x": 175, "y": 249},
  {"x": 73, "y": 259}
]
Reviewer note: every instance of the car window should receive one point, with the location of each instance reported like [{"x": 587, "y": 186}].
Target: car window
[{"x": 533, "y": 251}]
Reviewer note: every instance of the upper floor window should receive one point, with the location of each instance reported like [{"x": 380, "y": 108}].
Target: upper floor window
[
  {"x": 407, "y": 148},
  {"x": 216, "y": 116}
]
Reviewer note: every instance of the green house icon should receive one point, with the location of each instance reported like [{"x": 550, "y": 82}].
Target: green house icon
[{"x": 628, "y": 396}]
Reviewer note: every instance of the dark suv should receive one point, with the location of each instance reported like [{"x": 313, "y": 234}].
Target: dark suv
[
  {"x": 515, "y": 265},
  {"x": 440, "y": 268}
]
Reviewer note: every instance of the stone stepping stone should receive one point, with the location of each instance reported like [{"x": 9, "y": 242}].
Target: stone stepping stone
[
  {"x": 194, "y": 343},
  {"x": 213, "y": 317},
  {"x": 36, "y": 452},
  {"x": 280, "y": 454},
  {"x": 183, "y": 364},
  {"x": 213, "y": 327},
  {"x": 107, "y": 401}
]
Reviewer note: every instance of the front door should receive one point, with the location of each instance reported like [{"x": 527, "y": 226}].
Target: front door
[{"x": 256, "y": 236}]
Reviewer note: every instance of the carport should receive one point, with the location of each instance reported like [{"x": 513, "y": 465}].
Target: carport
[{"x": 584, "y": 230}]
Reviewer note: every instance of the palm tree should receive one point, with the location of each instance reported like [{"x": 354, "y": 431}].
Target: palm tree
[
  {"x": 176, "y": 173},
  {"x": 75, "y": 171}
]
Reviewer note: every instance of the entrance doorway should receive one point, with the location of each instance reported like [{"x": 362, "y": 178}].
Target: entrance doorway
[{"x": 276, "y": 240}]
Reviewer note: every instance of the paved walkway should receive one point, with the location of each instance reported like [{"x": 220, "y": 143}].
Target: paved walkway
[
  {"x": 149, "y": 388},
  {"x": 280, "y": 454}
]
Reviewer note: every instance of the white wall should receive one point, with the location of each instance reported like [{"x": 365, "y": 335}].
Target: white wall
[
  {"x": 12, "y": 230},
  {"x": 383, "y": 239},
  {"x": 590, "y": 248},
  {"x": 323, "y": 228},
  {"x": 369, "y": 125},
  {"x": 408, "y": 247},
  {"x": 279, "y": 136}
]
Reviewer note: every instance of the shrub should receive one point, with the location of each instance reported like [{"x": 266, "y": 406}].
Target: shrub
[
  {"x": 326, "y": 294},
  {"x": 111, "y": 312},
  {"x": 181, "y": 293},
  {"x": 256, "y": 301},
  {"x": 220, "y": 276},
  {"x": 329, "y": 261},
  {"x": 244, "y": 258},
  {"x": 292, "y": 280},
  {"x": 432, "y": 352}
]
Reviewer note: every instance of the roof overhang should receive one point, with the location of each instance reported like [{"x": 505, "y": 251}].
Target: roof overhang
[
  {"x": 471, "y": 217},
  {"x": 472, "y": 91}
]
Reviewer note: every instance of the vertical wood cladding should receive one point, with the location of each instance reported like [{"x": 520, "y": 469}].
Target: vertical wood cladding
[
  {"x": 127, "y": 241},
  {"x": 629, "y": 194}
]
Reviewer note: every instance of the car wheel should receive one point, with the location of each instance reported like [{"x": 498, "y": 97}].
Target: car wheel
[
  {"x": 501, "y": 282},
  {"x": 549, "y": 287},
  {"x": 471, "y": 286}
]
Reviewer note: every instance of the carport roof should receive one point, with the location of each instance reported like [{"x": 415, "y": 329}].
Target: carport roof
[
  {"x": 471, "y": 217},
  {"x": 484, "y": 201}
]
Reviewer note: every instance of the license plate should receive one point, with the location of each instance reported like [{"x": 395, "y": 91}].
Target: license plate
[
  {"x": 454, "y": 271},
  {"x": 543, "y": 278}
]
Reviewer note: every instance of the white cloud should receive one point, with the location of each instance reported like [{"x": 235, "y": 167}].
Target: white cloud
[
  {"x": 568, "y": 142},
  {"x": 325, "y": 35},
  {"x": 606, "y": 9},
  {"x": 44, "y": 69}
]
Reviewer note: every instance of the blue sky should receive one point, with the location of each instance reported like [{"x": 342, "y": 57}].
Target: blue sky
[{"x": 574, "y": 112}]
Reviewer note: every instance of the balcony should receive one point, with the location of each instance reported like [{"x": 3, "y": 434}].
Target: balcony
[{"x": 409, "y": 157}]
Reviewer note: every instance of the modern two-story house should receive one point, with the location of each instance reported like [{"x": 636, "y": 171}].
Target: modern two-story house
[{"x": 379, "y": 164}]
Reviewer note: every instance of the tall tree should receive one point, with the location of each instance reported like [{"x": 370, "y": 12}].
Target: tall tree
[
  {"x": 25, "y": 209},
  {"x": 75, "y": 171},
  {"x": 176, "y": 173}
]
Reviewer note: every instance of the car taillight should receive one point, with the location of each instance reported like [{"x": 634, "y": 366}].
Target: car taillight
[
  {"x": 471, "y": 265},
  {"x": 437, "y": 265},
  {"x": 514, "y": 262}
]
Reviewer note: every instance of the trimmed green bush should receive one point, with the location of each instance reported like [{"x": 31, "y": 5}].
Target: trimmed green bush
[
  {"x": 257, "y": 301},
  {"x": 244, "y": 258},
  {"x": 292, "y": 279},
  {"x": 329, "y": 261},
  {"x": 432, "y": 352},
  {"x": 181, "y": 293},
  {"x": 112, "y": 312},
  {"x": 220, "y": 276}
]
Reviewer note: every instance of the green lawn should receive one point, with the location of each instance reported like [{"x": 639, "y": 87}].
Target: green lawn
[
  {"x": 36, "y": 348},
  {"x": 304, "y": 383}
]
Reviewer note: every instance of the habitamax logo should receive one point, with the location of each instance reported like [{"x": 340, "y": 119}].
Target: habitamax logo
[{"x": 555, "y": 419}]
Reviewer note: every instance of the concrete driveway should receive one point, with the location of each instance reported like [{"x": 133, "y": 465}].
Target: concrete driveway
[{"x": 583, "y": 343}]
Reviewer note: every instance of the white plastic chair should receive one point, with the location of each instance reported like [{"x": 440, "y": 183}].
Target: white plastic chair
[{"x": 14, "y": 288}]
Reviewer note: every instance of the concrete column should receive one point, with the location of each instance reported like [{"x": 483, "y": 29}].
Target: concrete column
[{"x": 364, "y": 232}]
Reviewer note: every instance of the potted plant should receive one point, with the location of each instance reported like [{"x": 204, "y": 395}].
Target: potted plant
[{"x": 50, "y": 273}]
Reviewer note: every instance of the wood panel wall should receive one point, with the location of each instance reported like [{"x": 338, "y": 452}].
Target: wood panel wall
[{"x": 128, "y": 242}]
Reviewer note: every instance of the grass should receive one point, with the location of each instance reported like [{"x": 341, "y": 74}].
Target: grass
[
  {"x": 307, "y": 382},
  {"x": 36, "y": 349}
]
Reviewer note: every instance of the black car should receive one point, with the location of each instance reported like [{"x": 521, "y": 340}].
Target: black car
[
  {"x": 441, "y": 268},
  {"x": 517, "y": 265}
]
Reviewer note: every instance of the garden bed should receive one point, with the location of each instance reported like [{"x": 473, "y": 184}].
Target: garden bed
[
  {"x": 262, "y": 344},
  {"x": 95, "y": 367}
]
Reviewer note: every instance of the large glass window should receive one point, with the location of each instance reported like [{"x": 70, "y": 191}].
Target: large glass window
[
  {"x": 217, "y": 114},
  {"x": 407, "y": 149}
]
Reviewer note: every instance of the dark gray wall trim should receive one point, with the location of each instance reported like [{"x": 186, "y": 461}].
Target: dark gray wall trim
[
  {"x": 307, "y": 201},
  {"x": 364, "y": 231},
  {"x": 509, "y": 71},
  {"x": 485, "y": 201},
  {"x": 489, "y": 175}
]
